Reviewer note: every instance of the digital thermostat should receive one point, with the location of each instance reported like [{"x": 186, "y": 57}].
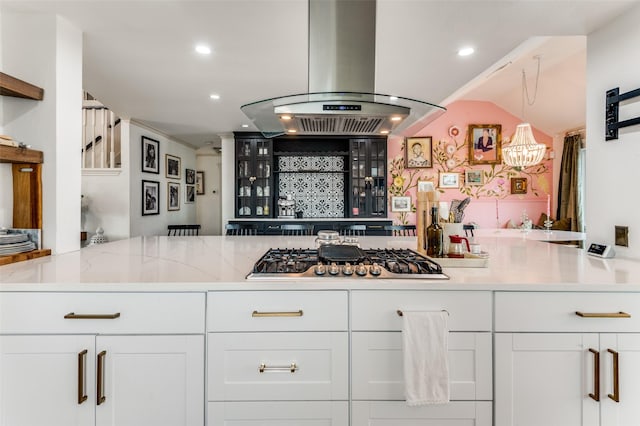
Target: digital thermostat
[{"x": 601, "y": 250}]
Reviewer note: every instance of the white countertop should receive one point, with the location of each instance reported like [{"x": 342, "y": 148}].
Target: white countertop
[{"x": 221, "y": 263}]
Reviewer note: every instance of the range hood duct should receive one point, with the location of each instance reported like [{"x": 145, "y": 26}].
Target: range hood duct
[{"x": 341, "y": 96}]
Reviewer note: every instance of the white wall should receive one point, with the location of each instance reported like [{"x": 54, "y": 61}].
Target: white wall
[
  {"x": 157, "y": 224},
  {"x": 208, "y": 205},
  {"x": 109, "y": 196},
  {"x": 48, "y": 55},
  {"x": 612, "y": 167}
]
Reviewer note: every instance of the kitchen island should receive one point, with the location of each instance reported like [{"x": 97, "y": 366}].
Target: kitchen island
[{"x": 168, "y": 330}]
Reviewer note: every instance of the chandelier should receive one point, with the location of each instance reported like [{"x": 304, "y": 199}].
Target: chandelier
[{"x": 524, "y": 151}]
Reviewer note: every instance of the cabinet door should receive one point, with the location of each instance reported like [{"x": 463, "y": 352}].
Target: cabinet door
[
  {"x": 254, "y": 177},
  {"x": 388, "y": 413},
  {"x": 273, "y": 413},
  {"x": 545, "y": 379},
  {"x": 151, "y": 380},
  {"x": 377, "y": 370},
  {"x": 42, "y": 380},
  {"x": 627, "y": 410},
  {"x": 367, "y": 188}
]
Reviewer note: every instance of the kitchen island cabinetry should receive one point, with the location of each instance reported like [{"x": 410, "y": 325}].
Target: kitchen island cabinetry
[
  {"x": 101, "y": 358},
  {"x": 280, "y": 356},
  {"x": 568, "y": 360},
  {"x": 377, "y": 362}
]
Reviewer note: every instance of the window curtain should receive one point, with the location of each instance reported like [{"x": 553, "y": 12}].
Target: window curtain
[{"x": 570, "y": 186}]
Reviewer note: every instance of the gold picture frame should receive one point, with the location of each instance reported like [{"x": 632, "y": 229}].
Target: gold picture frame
[
  {"x": 518, "y": 185},
  {"x": 418, "y": 152},
  {"x": 473, "y": 177},
  {"x": 485, "y": 143}
]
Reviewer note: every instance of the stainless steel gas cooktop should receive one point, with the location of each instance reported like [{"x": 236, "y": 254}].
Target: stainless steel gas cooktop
[{"x": 345, "y": 261}]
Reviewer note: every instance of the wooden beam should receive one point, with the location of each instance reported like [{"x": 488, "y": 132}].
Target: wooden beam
[
  {"x": 11, "y": 154},
  {"x": 11, "y": 86}
]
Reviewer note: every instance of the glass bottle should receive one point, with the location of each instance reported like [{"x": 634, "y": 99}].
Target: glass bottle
[{"x": 435, "y": 235}]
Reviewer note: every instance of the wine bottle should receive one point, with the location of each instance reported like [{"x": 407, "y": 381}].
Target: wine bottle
[{"x": 435, "y": 244}]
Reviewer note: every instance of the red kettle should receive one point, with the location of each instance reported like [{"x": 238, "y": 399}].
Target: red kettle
[{"x": 458, "y": 239}]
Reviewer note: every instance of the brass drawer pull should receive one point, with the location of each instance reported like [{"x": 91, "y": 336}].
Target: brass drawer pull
[
  {"x": 73, "y": 315},
  {"x": 100, "y": 398},
  {"x": 596, "y": 375},
  {"x": 616, "y": 377},
  {"x": 257, "y": 314},
  {"x": 291, "y": 368},
  {"x": 603, "y": 314},
  {"x": 82, "y": 376}
]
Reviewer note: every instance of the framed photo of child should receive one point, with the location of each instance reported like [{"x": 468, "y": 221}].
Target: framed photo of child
[{"x": 417, "y": 152}]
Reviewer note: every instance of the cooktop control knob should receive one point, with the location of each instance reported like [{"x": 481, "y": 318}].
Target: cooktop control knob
[
  {"x": 375, "y": 269},
  {"x": 320, "y": 269},
  {"x": 334, "y": 269},
  {"x": 347, "y": 269},
  {"x": 361, "y": 270}
]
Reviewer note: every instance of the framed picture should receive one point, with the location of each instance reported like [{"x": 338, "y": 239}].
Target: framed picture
[
  {"x": 425, "y": 186},
  {"x": 473, "y": 177},
  {"x": 449, "y": 180},
  {"x": 150, "y": 197},
  {"x": 172, "y": 166},
  {"x": 485, "y": 143},
  {"x": 417, "y": 152},
  {"x": 173, "y": 196},
  {"x": 400, "y": 204},
  {"x": 190, "y": 176},
  {"x": 190, "y": 194},
  {"x": 518, "y": 185},
  {"x": 150, "y": 155},
  {"x": 199, "y": 182}
]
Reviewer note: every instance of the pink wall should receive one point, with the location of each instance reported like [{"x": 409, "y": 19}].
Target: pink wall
[{"x": 450, "y": 154}]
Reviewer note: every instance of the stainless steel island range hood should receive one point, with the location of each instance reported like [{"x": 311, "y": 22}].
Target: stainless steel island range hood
[{"x": 341, "y": 98}]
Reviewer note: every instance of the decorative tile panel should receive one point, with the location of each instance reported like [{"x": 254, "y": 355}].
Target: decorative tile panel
[{"x": 317, "y": 194}]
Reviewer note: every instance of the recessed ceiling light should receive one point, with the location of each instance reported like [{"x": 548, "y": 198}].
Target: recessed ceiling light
[
  {"x": 245, "y": 125},
  {"x": 396, "y": 118},
  {"x": 466, "y": 51},
  {"x": 203, "y": 49},
  {"x": 214, "y": 96}
]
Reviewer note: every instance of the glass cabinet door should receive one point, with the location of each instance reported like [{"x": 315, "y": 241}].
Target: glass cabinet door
[
  {"x": 254, "y": 192},
  {"x": 368, "y": 192}
]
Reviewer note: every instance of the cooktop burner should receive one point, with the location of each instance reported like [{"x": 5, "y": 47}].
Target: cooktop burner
[{"x": 346, "y": 262}]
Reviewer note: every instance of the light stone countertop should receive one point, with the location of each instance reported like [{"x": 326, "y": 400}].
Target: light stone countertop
[{"x": 517, "y": 262}]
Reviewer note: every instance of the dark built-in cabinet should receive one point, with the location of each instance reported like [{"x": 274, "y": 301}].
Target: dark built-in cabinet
[{"x": 328, "y": 177}]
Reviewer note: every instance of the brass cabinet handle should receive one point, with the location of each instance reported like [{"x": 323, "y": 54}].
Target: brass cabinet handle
[
  {"x": 596, "y": 375},
  {"x": 291, "y": 368},
  {"x": 603, "y": 314},
  {"x": 100, "y": 378},
  {"x": 82, "y": 377},
  {"x": 257, "y": 314},
  {"x": 73, "y": 315},
  {"x": 616, "y": 377}
]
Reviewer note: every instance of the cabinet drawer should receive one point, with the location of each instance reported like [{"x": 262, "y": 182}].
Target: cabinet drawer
[
  {"x": 277, "y": 311},
  {"x": 532, "y": 311},
  {"x": 334, "y": 413},
  {"x": 377, "y": 310},
  {"x": 44, "y": 313},
  {"x": 366, "y": 413},
  {"x": 319, "y": 360},
  {"x": 378, "y": 373}
]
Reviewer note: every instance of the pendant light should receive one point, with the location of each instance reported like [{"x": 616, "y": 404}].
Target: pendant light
[{"x": 524, "y": 151}]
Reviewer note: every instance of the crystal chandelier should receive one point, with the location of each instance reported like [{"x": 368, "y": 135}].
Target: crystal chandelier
[{"x": 524, "y": 151}]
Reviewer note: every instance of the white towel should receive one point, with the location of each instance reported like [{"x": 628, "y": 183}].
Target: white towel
[{"x": 426, "y": 366}]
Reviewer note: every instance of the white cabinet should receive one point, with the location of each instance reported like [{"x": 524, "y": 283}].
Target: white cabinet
[
  {"x": 277, "y": 358},
  {"x": 103, "y": 359},
  {"x": 377, "y": 383},
  {"x": 43, "y": 380},
  {"x": 571, "y": 375}
]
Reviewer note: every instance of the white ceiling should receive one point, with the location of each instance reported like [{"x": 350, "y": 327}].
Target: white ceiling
[{"x": 139, "y": 57}]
